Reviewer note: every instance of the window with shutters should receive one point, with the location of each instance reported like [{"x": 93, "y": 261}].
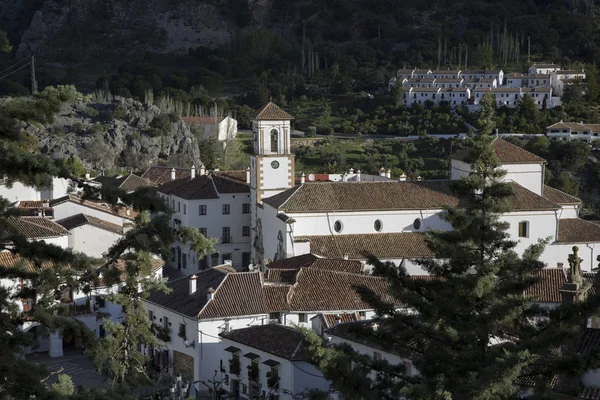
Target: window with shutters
[
  {"x": 226, "y": 209},
  {"x": 202, "y": 209}
]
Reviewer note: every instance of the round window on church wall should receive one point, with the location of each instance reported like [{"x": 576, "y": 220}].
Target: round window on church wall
[
  {"x": 417, "y": 224},
  {"x": 337, "y": 226},
  {"x": 378, "y": 225}
]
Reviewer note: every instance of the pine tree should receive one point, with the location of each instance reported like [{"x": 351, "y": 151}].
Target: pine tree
[
  {"x": 467, "y": 330},
  {"x": 152, "y": 234},
  {"x": 592, "y": 87}
]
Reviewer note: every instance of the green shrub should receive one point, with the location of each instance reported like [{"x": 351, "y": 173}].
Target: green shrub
[
  {"x": 311, "y": 131},
  {"x": 78, "y": 128},
  {"x": 62, "y": 94},
  {"x": 98, "y": 129},
  {"x": 161, "y": 125},
  {"x": 119, "y": 113},
  {"x": 325, "y": 130},
  {"x": 91, "y": 112}
]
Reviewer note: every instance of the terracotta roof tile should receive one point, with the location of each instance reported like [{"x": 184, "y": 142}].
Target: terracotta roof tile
[
  {"x": 122, "y": 211},
  {"x": 379, "y": 195},
  {"x": 10, "y": 260},
  {"x": 271, "y": 111},
  {"x": 547, "y": 285},
  {"x": 78, "y": 220},
  {"x": 34, "y": 204},
  {"x": 331, "y": 319},
  {"x": 201, "y": 187},
  {"x": 239, "y": 294},
  {"x": 320, "y": 290},
  {"x": 559, "y": 197},
  {"x": 281, "y": 275},
  {"x": 507, "y": 153},
  {"x": 133, "y": 182},
  {"x": 590, "y": 340},
  {"x": 312, "y": 261},
  {"x": 383, "y": 245},
  {"x": 276, "y": 297},
  {"x": 525, "y": 200},
  {"x": 575, "y": 230},
  {"x": 31, "y": 227},
  {"x": 230, "y": 182},
  {"x": 279, "y": 340},
  {"x": 159, "y": 175},
  {"x": 297, "y": 262},
  {"x": 534, "y": 375}
]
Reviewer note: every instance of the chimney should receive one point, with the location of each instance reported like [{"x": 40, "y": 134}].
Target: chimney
[
  {"x": 128, "y": 212},
  {"x": 419, "y": 178},
  {"x": 172, "y": 174},
  {"x": 87, "y": 176},
  {"x": 127, "y": 226},
  {"x": 358, "y": 176},
  {"x": 346, "y": 256},
  {"x": 202, "y": 169},
  {"x": 302, "y": 178},
  {"x": 46, "y": 203},
  {"x": 248, "y": 175},
  {"x": 382, "y": 171},
  {"x": 193, "y": 172},
  {"x": 402, "y": 177},
  {"x": 216, "y": 170},
  {"x": 351, "y": 171},
  {"x": 210, "y": 294},
  {"x": 192, "y": 284},
  {"x": 388, "y": 174}
]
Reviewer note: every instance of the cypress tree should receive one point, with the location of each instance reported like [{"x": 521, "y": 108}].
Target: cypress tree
[{"x": 468, "y": 330}]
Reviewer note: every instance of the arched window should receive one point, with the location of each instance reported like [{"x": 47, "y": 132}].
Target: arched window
[{"x": 274, "y": 140}]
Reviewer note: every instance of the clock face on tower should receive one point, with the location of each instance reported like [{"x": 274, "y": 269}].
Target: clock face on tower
[{"x": 275, "y": 164}]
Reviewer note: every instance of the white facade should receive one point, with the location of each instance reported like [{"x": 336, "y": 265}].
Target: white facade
[
  {"x": 91, "y": 240},
  {"x": 574, "y": 131},
  {"x": 18, "y": 192},
  {"x": 73, "y": 207},
  {"x": 295, "y": 377},
  {"x": 543, "y": 68}
]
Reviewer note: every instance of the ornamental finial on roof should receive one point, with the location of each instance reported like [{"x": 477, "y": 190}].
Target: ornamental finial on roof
[{"x": 574, "y": 266}]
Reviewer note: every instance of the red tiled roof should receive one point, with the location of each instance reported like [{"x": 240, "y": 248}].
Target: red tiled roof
[
  {"x": 239, "y": 294},
  {"x": 31, "y": 227},
  {"x": 201, "y": 187},
  {"x": 281, "y": 275},
  {"x": 547, "y": 285},
  {"x": 10, "y": 260},
  {"x": 122, "y": 211},
  {"x": 160, "y": 175},
  {"x": 312, "y": 261},
  {"x": 589, "y": 393},
  {"x": 590, "y": 340},
  {"x": 320, "y": 290},
  {"x": 559, "y": 197},
  {"x": 331, "y": 319},
  {"x": 35, "y": 204},
  {"x": 78, "y": 220},
  {"x": 279, "y": 340},
  {"x": 271, "y": 111},
  {"x": 506, "y": 152},
  {"x": 231, "y": 181},
  {"x": 276, "y": 297},
  {"x": 576, "y": 230},
  {"x": 382, "y": 245},
  {"x": 297, "y": 262}
]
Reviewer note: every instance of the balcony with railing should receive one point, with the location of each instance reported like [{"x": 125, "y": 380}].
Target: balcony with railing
[
  {"x": 253, "y": 372},
  {"x": 273, "y": 379},
  {"x": 234, "y": 366},
  {"x": 161, "y": 332}
]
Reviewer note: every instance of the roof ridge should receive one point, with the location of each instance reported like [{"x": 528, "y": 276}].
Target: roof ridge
[
  {"x": 298, "y": 347},
  {"x": 214, "y": 294},
  {"x": 29, "y": 220}
]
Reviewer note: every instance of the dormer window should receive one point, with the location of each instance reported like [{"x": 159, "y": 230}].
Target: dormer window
[{"x": 274, "y": 141}]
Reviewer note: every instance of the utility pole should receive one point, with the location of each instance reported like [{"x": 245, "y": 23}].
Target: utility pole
[
  {"x": 528, "y": 49},
  {"x": 34, "y": 88}
]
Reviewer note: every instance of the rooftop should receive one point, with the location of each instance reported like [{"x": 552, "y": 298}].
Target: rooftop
[
  {"x": 159, "y": 175},
  {"x": 506, "y": 152},
  {"x": 271, "y": 111},
  {"x": 383, "y": 245},
  {"x": 206, "y": 186},
  {"x": 128, "y": 183},
  {"x": 312, "y": 261},
  {"x": 576, "y": 230},
  {"x": 31, "y": 227},
  {"x": 78, "y": 220},
  {"x": 279, "y": 340},
  {"x": 121, "y": 211},
  {"x": 559, "y": 197}
]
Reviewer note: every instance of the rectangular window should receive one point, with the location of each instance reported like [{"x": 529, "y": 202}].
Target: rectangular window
[
  {"x": 203, "y": 263},
  {"x": 245, "y": 260},
  {"x": 102, "y": 332},
  {"x": 100, "y": 301},
  {"x": 184, "y": 260},
  {"x": 173, "y": 252},
  {"x": 214, "y": 259},
  {"x": 165, "y": 322},
  {"x": 245, "y": 231},
  {"x": 302, "y": 317},
  {"x": 524, "y": 229},
  {"x": 203, "y": 232},
  {"x": 202, "y": 209},
  {"x": 173, "y": 207},
  {"x": 150, "y": 315},
  {"x": 226, "y": 209},
  {"x": 226, "y": 235},
  {"x": 184, "y": 209},
  {"x": 178, "y": 206},
  {"x": 246, "y": 208}
]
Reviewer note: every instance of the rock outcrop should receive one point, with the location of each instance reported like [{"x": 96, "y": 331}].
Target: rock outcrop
[{"x": 117, "y": 134}]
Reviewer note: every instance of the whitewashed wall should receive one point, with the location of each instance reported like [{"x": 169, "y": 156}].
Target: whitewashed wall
[
  {"x": 92, "y": 241},
  {"x": 18, "y": 192},
  {"x": 60, "y": 188},
  {"x": 271, "y": 226},
  {"x": 70, "y": 208}
]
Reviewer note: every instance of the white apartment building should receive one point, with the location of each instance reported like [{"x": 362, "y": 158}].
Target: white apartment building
[
  {"x": 486, "y": 74},
  {"x": 219, "y": 205},
  {"x": 543, "y": 68},
  {"x": 270, "y": 360},
  {"x": 509, "y": 97},
  {"x": 453, "y": 96},
  {"x": 573, "y": 131}
]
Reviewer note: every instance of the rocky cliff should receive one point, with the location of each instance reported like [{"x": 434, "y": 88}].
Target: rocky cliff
[{"x": 116, "y": 134}]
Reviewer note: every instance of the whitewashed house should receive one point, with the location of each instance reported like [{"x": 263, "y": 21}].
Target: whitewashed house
[
  {"x": 516, "y": 80},
  {"x": 445, "y": 74},
  {"x": 343, "y": 219},
  {"x": 17, "y": 191},
  {"x": 510, "y": 97},
  {"x": 35, "y": 229},
  {"x": 71, "y": 204},
  {"x": 540, "y": 80},
  {"x": 573, "y": 131},
  {"x": 219, "y": 205},
  {"x": 92, "y": 236},
  {"x": 200, "y": 307},
  {"x": 543, "y": 68},
  {"x": 270, "y": 360},
  {"x": 481, "y": 83},
  {"x": 222, "y": 128}
]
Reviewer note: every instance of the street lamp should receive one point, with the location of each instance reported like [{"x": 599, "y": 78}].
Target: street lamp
[{"x": 179, "y": 389}]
